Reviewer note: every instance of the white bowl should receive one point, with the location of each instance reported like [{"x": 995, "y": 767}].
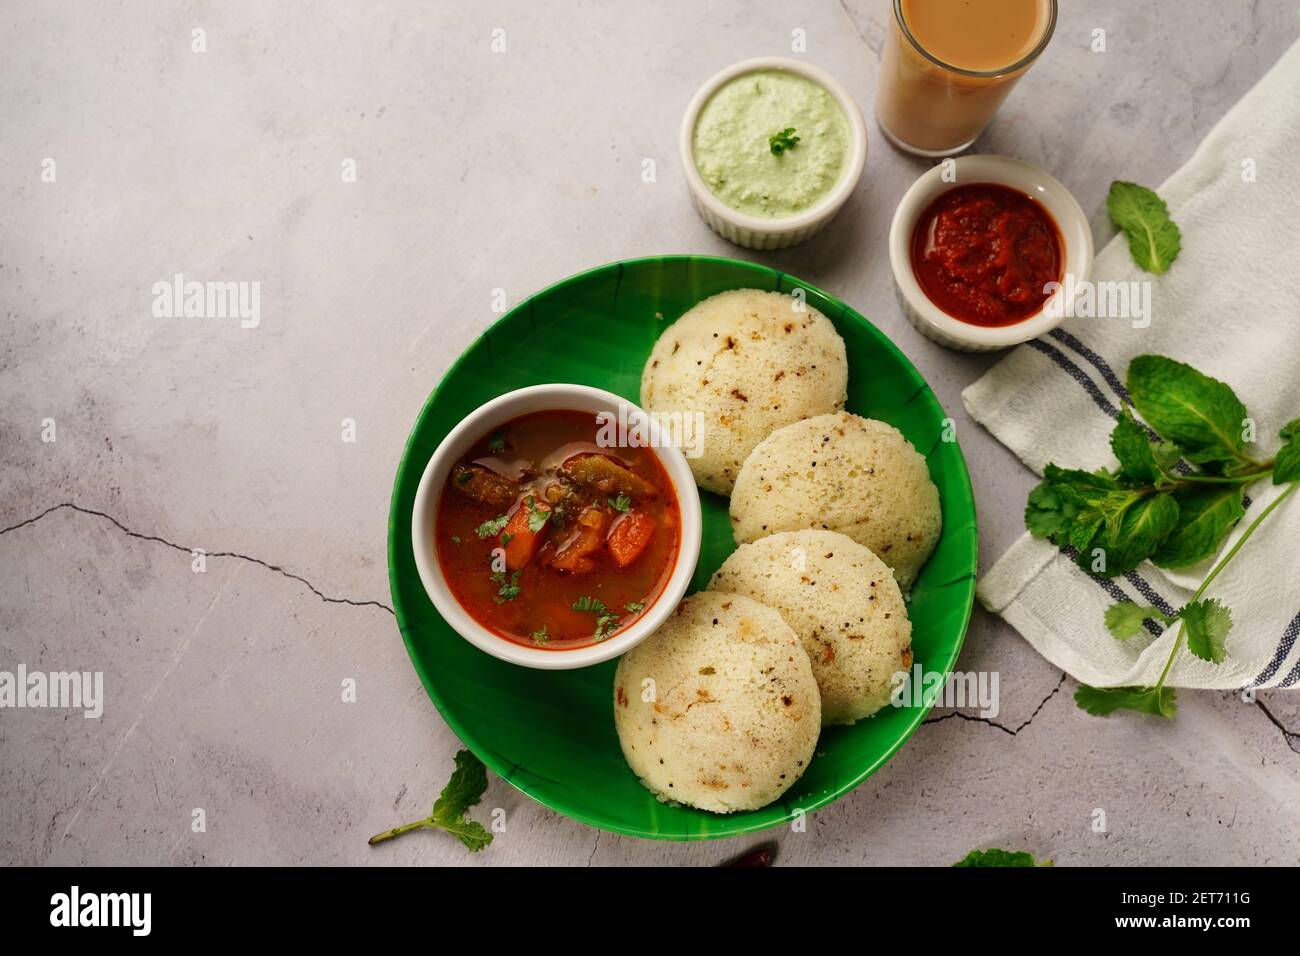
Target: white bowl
[
  {"x": 938, "y": 325},
  {"x": 759, "y": 232},
  {"x": 497, "y": 412}
]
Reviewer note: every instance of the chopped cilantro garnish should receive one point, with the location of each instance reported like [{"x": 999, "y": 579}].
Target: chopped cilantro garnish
[
  {"x": 509, "y": 590},
  {"x": 636, "y": 607},
  {"x": 605, "y": 619},
  {"x": 621, "y": 503},
  {"x": 537, "y": 518},
  {"x": 540, "y": 636},
  {"x": 780, "y": 142},
  {"x": 497, "y": 443},
  {"x": 493, "y": 527},
  {"x": 464, "y": 476}
]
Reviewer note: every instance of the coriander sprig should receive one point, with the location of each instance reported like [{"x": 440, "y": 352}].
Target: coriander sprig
[
  {"x": 466, "y": 788},
  {"x": 780, "y": 142}
]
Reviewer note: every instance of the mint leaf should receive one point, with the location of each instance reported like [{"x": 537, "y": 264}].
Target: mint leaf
[
  {"x": 1102, "y": 701},
  {"x": 1208, "y": 622},
  {"x": 1200, "y": 413},
  {"x": 1205, "y": 516},
  {"x": 1153, "y": 238},
  {"x": 1135, "y": 534},
  {"x": 465, "y": 789},
  {"x": 1125, "y": 620},
  {"x": 1286, "y": 465},
  {"x": 1062, "y": 507},
  {"x": 995, "y": 857},
  {"x": 1141, "y": 460}
]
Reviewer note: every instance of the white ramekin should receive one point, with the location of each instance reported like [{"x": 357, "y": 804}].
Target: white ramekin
[
  {"x": 932, "y": 321},
  {"x": 758, "y": 232},
  {"x": 497, "y": 412}
]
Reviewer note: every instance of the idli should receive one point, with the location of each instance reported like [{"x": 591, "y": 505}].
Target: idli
[
  {"x": 842, "y": 473},
  {"x": 718, "y": 709},
  {"x": 843, "y": 603},
  {"x": 749, "y": 362}
]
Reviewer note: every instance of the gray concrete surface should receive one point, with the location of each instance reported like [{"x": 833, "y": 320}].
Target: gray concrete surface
[{"x": 475, "y": 171}]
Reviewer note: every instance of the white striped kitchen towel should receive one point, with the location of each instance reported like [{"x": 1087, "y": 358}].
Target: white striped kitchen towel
[{"x": 1229, "y": 306}]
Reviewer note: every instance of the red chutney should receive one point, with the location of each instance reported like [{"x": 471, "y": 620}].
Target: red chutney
[
  {"x": 984, "y": 252},
  {"x": 551, "y": 541}
]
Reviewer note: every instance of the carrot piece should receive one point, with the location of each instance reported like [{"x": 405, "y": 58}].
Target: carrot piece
[
  {"x": 519, "y": 540},
  {"x": 578, "y": 553},
  {"x": 629, "y": 537}
]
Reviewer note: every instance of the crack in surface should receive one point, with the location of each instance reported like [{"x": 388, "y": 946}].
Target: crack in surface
[
  {"x": 975, "y": 718},
  {"x": 68, "y": 505},
  {"x": 873, "y": 47},
  {"x": 1291, "y": 737}
]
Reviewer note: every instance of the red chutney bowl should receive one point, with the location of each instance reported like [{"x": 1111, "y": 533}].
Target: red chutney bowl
[
  {"x": 487, "y": 418},
  {"x": 1071, "y": 232}
]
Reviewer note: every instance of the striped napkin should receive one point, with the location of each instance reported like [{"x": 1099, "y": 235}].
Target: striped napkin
[{"x": 1229, "y": 306}]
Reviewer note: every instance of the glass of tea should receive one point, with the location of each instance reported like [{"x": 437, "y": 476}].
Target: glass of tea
[{"x": 947, "y": 65}]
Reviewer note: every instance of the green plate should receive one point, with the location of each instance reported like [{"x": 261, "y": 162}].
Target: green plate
[{"x": 551, "y": 733}]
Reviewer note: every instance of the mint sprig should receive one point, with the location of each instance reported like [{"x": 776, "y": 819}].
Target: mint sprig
[{"x": 1176, "y": 495}]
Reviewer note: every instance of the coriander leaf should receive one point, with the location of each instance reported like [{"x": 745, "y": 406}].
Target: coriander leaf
[
  {"x": 780, "y": 142},
  {"x": 464, "y": 477},
  {"x": 590, "y": 605},
  {"x": 1208, "y": 623},
  {"x": 469, "y": 832},
  {"x": 537, "y": 517},
  {"x": 994, "y": 857},
  {"x": 1153, "y": 238},
  {"x": 466, "y": 787},
  {"x": 621, "y": 503},
  {"x": 491, "y": 527},
  {"x": 1286, "y": 465},
  {"x": 509, "y": 589},
  {"x": 541, "y": 636},
  {"x": 464, "y": 790},
  {"x": 1124, "y": 620},
  {"x": 1135, "y": 535},
  {"x": 635, "y": 607},
  {"x": 604, "y": 626},
  {"x": 1141, "y": 460},
  {"x": 1102, "y": 701},
  {"x": 498, "y": 443},
  {"x": 1200, "y": 413},
  {"x": 1205, "y": 516},
  {"x": 1045, "y": 513},
  {"x": 455, "y": 539}
]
